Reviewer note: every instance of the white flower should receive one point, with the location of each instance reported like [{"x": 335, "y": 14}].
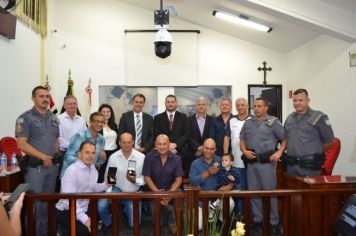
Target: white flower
[{"x": 240, "y": 229}]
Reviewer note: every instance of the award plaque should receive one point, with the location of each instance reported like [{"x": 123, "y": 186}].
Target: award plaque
[
  {"x": 112, "y": 175},
  {"x": 131, "y": 168}
]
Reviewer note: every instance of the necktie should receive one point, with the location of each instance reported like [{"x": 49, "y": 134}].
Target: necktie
[
  {"x": 170, "y": 121},
  {"x": 138, "y": 130}
]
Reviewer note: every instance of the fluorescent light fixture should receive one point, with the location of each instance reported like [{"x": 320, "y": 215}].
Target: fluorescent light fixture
[{"x": 242, "y": 20}]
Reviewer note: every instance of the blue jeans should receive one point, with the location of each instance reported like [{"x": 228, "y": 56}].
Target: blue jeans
[
  {"x": 239, "y": 202},
  {"x": 127, "y": 207}
]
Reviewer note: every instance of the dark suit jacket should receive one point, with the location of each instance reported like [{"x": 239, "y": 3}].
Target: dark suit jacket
[
  {"x": 179, "y": 132},
  {"x": 195, "y": 139},
  {"x": 127, "y": 125}
]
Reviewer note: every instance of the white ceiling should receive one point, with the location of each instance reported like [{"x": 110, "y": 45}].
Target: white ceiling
[{"x": 294, "y": 22}]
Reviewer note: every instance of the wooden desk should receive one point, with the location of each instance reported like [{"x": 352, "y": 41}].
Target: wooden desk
[
  {"x": 10, "y": 180},
  {"x": 322, "y": 212}
]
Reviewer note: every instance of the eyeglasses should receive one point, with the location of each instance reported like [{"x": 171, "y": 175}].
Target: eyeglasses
[{"x": 98, "y": 122}]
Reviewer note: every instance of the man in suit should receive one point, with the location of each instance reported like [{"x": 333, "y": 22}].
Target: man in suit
[
  {"x": 139, "y": 124},
  {"x": 174, "y": 124},
  {"x": 198, "y": 126}
]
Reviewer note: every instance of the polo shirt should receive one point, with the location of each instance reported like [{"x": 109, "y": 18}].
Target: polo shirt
[{"x": 163, "y": 176}]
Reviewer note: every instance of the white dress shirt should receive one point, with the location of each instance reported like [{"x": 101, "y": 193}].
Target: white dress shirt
[
  {"x": 69, "y": 126},
  {"x": 119, "y": 161},
  {"x": 173, "y": 113}
]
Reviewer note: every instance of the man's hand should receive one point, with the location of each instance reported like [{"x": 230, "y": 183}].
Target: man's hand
[
  {"x": 275, "y": 157},
  {"x": 165, "y": 201},
  {"x": 17, "y": 206},
  {"x": 174, "y": 151},
  {"x": 197, "y": 154},
  {"x": 87, "y": 224},
  {"x": 131, "y": 178},
  {"x": 47, "y": 162},
  {"x": 103, "y": 155},
  {"x": 213, "y": 170},
  {"x": 250, "y": 154},
  {"x": 172, "y": 146}
]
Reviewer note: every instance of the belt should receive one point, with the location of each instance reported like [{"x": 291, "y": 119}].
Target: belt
[
  {"x": 260, "y": 158},
  {"x": 309, "y": 162}
]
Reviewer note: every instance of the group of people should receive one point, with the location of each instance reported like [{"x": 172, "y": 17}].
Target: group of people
[{"x": 223, "y": 153}]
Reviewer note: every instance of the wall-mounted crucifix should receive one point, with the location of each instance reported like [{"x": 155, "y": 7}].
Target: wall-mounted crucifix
[{"x": 265, "y": 69}]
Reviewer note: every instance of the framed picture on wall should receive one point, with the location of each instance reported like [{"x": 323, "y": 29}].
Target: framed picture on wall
[
  {"x": 120, "y": 98},
  {"x": 187, "y": 96}
]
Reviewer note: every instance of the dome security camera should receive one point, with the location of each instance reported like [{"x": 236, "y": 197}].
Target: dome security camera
[{"x": 163, "y": 42}]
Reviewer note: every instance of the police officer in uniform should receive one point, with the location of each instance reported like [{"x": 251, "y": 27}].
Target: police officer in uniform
[
  {"x": 258, "y": 142},
  {"x": 309, "y": 135},
  {"x": 37, "y": 132}
]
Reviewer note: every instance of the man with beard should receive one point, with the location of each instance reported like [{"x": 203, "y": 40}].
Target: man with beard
[{"x": 174, "y": 124}]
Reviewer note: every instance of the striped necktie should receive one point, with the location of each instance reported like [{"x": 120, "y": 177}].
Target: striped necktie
[
  {"x": 138, "y": 130},
  {"x": 170, "y": 121}
]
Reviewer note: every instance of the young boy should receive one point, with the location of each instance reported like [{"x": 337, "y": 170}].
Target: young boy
[{"x": 227, "y": 174}]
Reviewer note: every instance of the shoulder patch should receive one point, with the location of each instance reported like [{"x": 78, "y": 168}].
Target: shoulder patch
[
  {"x": 315, "y": 117},
  {"x": 19, "y": 124},
  {"x": 271, "y": 120}
]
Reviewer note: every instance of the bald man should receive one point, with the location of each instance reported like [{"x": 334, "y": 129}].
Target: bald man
[
  {"x": 204, "y": 172},
  {"x": 124, "y": 182},
  {"x": 204, "y": 169},
  {"x": 162, "y": 171}
]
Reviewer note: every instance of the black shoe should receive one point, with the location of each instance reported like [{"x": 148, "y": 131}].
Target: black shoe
[
  {"x": 105, "y": 228},
  {"x": 256, "y": 229},
  {"x": 276, "y": 230},
  {"x": 147, "y": 210},
  {"x": 172, "y": 229}
]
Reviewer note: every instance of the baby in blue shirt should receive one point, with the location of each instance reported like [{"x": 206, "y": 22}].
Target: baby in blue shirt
[{"x": 228, "y": 174}]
